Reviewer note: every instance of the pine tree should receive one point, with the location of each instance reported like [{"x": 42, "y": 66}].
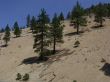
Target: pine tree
[
  {"x": 68, "y": 15},
  {"x": 17, "y": 30},
  {"x": 56, "y": 32},
  {"x": 6, "y": 37},
  {"x": 41, "y": 38},
  {"x": 28, "y": 21},
  {"x": 100, "y": 12},
  {"x": 2, "y": 30},
  {"x": 77, "y": 16},
  {"x": 33, "y": 24},
  {"x": 61, "y": 16}
]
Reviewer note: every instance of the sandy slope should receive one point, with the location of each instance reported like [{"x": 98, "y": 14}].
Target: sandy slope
[{"x": 82, "y": 64}]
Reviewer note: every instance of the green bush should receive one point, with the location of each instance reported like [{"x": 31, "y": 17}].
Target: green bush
[
  {"x": 18, "y": 76},
  {"x": 47, "y": 53},
  {"x": 26, "y": 77},
  {"x": 74, "y": 81}
]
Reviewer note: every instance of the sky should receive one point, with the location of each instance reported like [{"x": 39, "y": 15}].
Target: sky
[{"x": 17, "y": 10}]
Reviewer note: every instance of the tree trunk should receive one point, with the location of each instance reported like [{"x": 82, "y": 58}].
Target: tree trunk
[
  {"x": 54, "y": 46},
  {"x": 77, "y": 28},
  {"x": 42, "y": 46},
  {"x": 101, "y": 23},
  {"x": 6, "y": 43}
]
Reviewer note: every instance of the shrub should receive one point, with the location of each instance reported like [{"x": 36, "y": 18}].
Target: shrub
[
  {"x": 74, "y": 81},
  {"x": 18, "y": 76},
  {"x": 26, "y": 77},
  {"x": 47, "y": 52}
]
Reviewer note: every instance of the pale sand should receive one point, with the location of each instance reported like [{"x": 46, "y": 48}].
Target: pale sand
[{"x": 83, "y": 64}]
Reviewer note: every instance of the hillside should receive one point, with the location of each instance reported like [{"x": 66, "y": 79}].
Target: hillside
[{"x": 82, "y": 63}]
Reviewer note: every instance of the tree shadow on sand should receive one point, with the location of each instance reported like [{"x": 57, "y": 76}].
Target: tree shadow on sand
[
  {"x": 2, "y": 46},
  {"x": 47, "y": 58},
  {"x": 33, "y": 60},
  {"x": 97, "y": 27},
  {"x": 36, "y": 59},
  {"x": 106, "y": 69}
]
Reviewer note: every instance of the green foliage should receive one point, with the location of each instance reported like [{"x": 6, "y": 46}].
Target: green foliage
[
  {"x": 56, "y": 28},
  {"x": 68, "y": 15},
  {"x": 17, "y": 30},
  {"x": 26, "y": 77},
  {"x": 56, "y": 31},
  {"x": 47, "y": 52},
  {"x": 33, "y": 24},
  {"x": 77, "y": 16},
  {"x": 61, "y": 16},
  {"x": 2, "y": 30},
  {"x": 22, "y": 78},
  {"x": 28, "y": 21},
  {"x": 74, "y": 81},
  {"x": 6, "y": 37},
  {"x": 105, "y": 7},
  {"x": 41, "y": 40},
  {"x": 99, "y": 14},
  {"x": 19, "y": 76}
]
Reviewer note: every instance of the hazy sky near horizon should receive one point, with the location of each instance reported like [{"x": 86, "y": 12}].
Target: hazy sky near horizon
[{"x": 17, "y": 10}]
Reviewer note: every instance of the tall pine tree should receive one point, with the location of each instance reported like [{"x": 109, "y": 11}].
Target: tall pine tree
[
  {"x": 41, "y": 38},
  {"x": 2, "y": 30},
  {"x": 6, "y": 37},
  {"x": 100, "y": 12},
  {"x": 28, "y": 21},
  {"x": 68, "y": 15},
  {"x": 61, "y": 16},
  {"x": 77, "y": 16},
  {"x": 56, "y": 32},
  {"x": 33, "y": 24},
  {"x": 17, "y": 30}
]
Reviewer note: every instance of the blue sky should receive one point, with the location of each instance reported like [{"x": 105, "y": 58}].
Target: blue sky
[{"x": 17, "y": 10}]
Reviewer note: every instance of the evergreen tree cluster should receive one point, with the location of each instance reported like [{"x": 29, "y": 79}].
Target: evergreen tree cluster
[
  {"x": 100, "y": 11},
  {"x": 41, "y": 35},
  {"x": 77, "y": 16},
  {"x": 61, "y": 17},
  {"x": 16, "y": 30},
  {"x": 46, "y": 32},
  {"x": 56, "y": 31},
  {"x": 2, "y": 30},
  {"x": 50, "y": 32},
  {"x": 104, "y": 7},
  {"x": 7, "y": 35}
]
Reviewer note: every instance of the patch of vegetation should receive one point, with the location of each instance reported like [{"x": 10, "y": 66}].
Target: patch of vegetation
[
  {"x": 47, "y": 53},
  {"x": 77, "y": 16},
  {"x": 26, "y": 77},
  {"x": 17, "y": 30},
  {"x": 19, "y": 76},
  {"x": 6, "y": 37},
  {"x": 74, "y": 81},
  {"x": 22, "y": 78}
]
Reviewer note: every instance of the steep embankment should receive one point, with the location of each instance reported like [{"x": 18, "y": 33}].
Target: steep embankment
[{"x": 82, "y": 64}]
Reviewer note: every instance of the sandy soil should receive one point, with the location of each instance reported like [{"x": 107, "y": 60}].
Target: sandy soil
[{"x": 82, "y": 64}]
